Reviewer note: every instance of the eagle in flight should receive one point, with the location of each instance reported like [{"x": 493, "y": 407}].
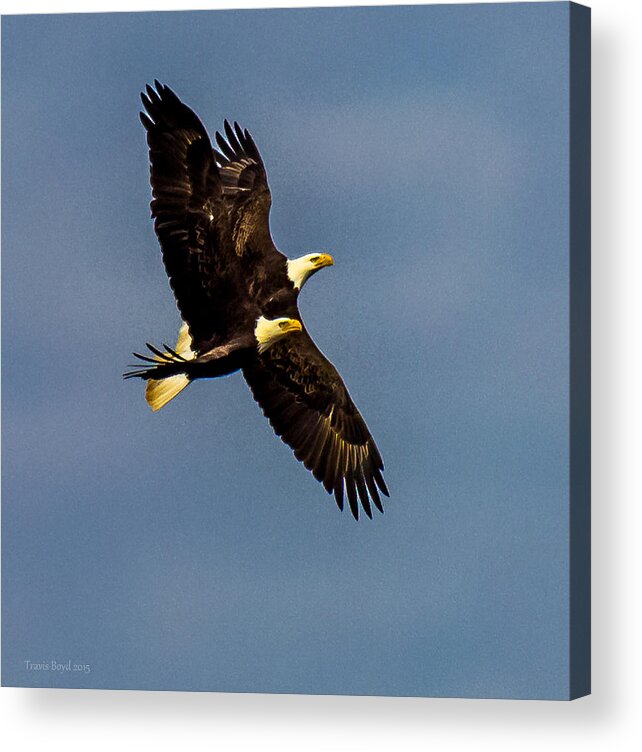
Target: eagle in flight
[{"x": 237, "y": 295}]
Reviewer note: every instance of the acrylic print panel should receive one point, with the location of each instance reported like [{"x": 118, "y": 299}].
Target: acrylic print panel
[{"x": 427, "y": 150}]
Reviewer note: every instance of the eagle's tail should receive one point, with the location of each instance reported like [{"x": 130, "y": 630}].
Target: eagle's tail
[
  {"x": 158, "y": 392},
  {"x": 166, "y": 378}
]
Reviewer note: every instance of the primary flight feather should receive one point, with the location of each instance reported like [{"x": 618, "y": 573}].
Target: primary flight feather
[{"x": 237, "y": 295}]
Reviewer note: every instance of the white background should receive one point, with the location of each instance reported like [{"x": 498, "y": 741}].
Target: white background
[{"x": 101, "y": 720}]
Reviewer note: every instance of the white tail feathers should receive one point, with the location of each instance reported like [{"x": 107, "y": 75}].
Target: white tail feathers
[
  {"x": 158, "y": 392},
  {"x": 184, "y": 343}
]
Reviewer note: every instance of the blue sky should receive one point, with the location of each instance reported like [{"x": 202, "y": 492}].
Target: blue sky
[{"x": 426, "y": 148}]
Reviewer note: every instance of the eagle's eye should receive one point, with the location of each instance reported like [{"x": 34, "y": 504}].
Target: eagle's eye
[
  {"x": 314, "y": 259},
  {"x": 284, "y": 324}
]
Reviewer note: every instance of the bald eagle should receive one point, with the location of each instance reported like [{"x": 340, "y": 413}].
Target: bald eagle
[{"x": 237, "y": 295}]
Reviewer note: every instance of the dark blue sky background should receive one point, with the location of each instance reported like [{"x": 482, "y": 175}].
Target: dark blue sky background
[{"x": 426, "y": 148}]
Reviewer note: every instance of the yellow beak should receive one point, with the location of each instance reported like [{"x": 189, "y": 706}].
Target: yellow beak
[
  {"x": 325, "y": 259},
  {"x": 294, "y": 325}
]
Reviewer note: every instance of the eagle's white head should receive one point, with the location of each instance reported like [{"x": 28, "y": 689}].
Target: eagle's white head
[
  {"x": 301, "y": 268},
  {"x": 269, "y": 331}
]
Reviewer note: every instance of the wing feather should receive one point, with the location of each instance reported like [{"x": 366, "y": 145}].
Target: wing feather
[
  {"x": 308, "y": 406},
  {"x": 187, "y": 205},
  {"x": 246, "y": 195},
  {"x": 211, "y": 215}
]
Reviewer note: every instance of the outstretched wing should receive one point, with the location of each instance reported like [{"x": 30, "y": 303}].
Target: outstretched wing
[
  {"x": 303, "y": 396},
  {"x": 246, "y": 194},
  {"x": 186, "y": 206}
]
